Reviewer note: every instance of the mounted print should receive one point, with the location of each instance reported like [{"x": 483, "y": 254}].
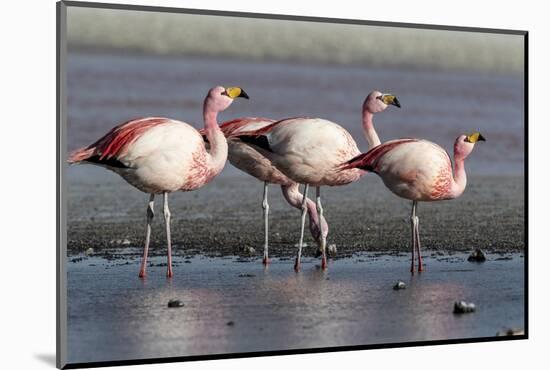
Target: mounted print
[{"x": 234, "y": 184}]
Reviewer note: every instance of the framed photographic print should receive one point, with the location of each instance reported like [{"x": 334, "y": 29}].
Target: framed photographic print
[{"x": 236, "y": 184}]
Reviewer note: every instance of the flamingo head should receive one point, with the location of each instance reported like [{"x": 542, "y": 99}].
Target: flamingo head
[
  {"x": 464, "y": 144},
  {"x": 220, "y": 98},
  {"x": 377, "y": 102}
]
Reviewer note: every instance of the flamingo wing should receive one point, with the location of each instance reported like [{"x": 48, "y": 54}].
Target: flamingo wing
[
  {"x": 368, "y": 161},
  {"x": 259, "y": 137},
  {"x": 116, "y": 142},
  {"x": 230, "y": 127}
]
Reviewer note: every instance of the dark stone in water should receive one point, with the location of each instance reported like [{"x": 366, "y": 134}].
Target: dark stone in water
[
  {"x": 477, "y": 256},
  {"x": 399, "y": 285},
  {"x": 175, "y": 303},
  {"x": 247, "y": 275},
  {"x": 230, "y": 323},
  {"x": 463, "y": 307}
]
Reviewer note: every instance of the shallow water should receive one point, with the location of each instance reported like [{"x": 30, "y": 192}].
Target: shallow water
[{"x": 114, "y": 315}]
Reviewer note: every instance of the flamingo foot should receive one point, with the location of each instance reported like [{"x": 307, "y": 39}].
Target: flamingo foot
[
  {"x": 169, "y": 273},
  {"x": 412, "y": 268},
  {"x": 324, "y": 263},
  {"x": 420, "y": 267},
  {"x": 142, "y": 274},
  {"x": 266, "y": 261}
]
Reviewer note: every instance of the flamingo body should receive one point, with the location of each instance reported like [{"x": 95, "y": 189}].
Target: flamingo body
[
  {"x": 309, "y": 150},
  {"x": 411, "y": 168},
  {"x": 155, "y": 155}
]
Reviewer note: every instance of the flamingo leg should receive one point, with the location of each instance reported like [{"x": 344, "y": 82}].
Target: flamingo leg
[
  {"x": 168, "y": 238},
  {"x": 417, "y": 237},
  {"x": 265, "y": 206},
  {"x": 304, "y": 213},
  {"x": 323, "y": 238},
  {"x": 413, "y": 234},
  {"x": 150, "y": 215}
]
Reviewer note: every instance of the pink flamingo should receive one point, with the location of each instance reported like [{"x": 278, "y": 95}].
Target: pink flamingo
[
  {"x": 310, "y": 151},
  {"x": 249, "y": 158},
  {"x": 160, "y": 155},
  {"x": 418, "y": 170}
]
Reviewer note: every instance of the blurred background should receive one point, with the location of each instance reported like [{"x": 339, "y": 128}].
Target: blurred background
[{"x": 126, "y": 64}]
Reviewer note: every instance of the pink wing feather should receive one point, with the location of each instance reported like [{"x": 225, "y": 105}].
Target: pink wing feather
[
  {"x": 117, "y": 141},
  {"x": 265, "y": 130},
  {"x": 368, "y": 161}
]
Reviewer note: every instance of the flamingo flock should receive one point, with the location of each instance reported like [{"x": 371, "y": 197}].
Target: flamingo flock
[{"x": 160, "y": 155}]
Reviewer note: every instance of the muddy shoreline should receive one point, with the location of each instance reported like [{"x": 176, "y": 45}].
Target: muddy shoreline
[{"x": 225, "y": 218}]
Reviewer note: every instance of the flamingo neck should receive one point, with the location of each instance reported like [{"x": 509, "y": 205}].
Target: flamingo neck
[
  {"x": 294, "y": 198},
  {"x": 368, "y": 129},
  {"x": 459, "y": 176},
  {"x": 218, "y": 143}
]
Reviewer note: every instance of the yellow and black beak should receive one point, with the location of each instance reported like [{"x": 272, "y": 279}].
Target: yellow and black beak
[
  {"x": 235, "y": 92},
  {"x": 390, "y": 99},
  {"x": 474, "y": 137}
]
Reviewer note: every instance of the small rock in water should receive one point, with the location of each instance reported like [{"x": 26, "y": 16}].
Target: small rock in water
[
  {"x": 89, "y": 251},
  {"x": 247, "y": 275},
  {"x": 304, "y": 245},
  {"x": 399, "y": 285},
  {"x": 510, "y": 332},
  {"x": 230, "y": 323},
  {"x": 464, "y": 307},
  {"x": 249, "y": 250},
  {"x": 477, "y": 256},
  {"x": 175, "y": 303}
]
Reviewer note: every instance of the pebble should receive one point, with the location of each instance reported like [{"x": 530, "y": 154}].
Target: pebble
[
  {"x": 399, "y": 285},
  {"x": 230, "y": 323},
  {"x": 247, "y": 275},
  {"x": 175, "y": 303},
  {"x": 331, "y": 250},
  {"x": 463, "y": 307},
  {"x": 477, "y": 256},
  {"x": 89, "y": 251}
]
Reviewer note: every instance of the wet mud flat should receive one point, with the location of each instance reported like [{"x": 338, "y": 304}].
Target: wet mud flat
[
  {"x": 225, "y": 217},
  {"x": 234, "y": 304}
]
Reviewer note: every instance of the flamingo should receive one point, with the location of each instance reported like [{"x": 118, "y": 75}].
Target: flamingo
[
  {"x": 160, "y": 155},
  {"x": 249, "y": 159},
  {"x": 310, "y": 151},
  {"x": 418, "y": 170}
]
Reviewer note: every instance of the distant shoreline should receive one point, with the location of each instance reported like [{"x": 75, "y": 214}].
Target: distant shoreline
[{"x": 293, "y": 41}]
